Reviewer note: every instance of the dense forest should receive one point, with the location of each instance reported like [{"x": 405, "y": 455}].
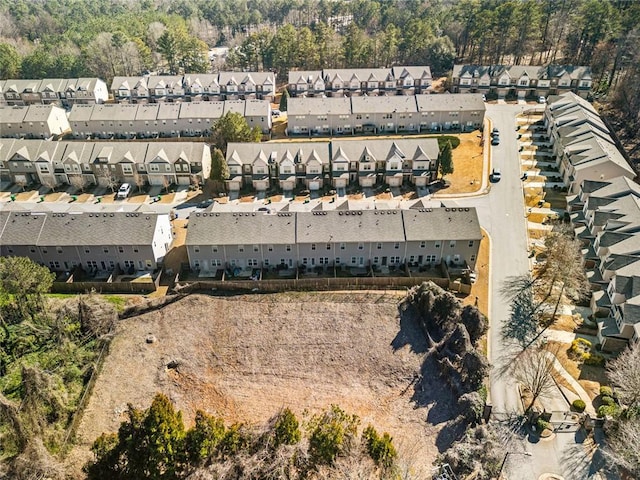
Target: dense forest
[{"x": 105, "y": 38}]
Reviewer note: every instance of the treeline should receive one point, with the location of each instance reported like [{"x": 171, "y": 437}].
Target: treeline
[
  {"x": 154, "y": 443},
  {"x": 64, "y": 38}
]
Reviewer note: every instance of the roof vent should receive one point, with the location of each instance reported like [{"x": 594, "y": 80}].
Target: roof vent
[
  {"x": 466, "y": 209},
  {"x": 360, "y": 212},
  {"x": 395, "y": 211},
  {"x": 453, "y": 209},
  {"x": 104, "y": 214},
  {"x": 197, "y": 214},
  {"x": 339, "y": 213},
  {"x": 447, "y": 209},
  {"x": 217, "y": 214},
  {"x": 111, "y": 215}
]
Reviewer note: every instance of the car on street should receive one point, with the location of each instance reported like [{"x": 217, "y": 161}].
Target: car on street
[
  {"x": 495, "y": 132},
  {"x": 496, "y": 175},
  {"x": 124, "y": 191},
  {"x": 495, "y": 140}
]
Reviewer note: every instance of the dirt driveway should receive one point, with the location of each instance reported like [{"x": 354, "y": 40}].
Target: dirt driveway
[{"x": 245, "y": 357}]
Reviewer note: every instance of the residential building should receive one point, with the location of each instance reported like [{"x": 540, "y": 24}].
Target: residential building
[
  {"x": 360, "y": 81},
  {"x": 582, "y": 143},
  {"x": 521, "y": 80},
  {"x": 166, "y": 119},
  {"x": 97, "y": 241},
  {"x": 393, "y": 162},
  {"x": 286, "y": 165},
  {"x": 332, "y": 238},
  {"x": 194, "y": 87},
  {"x": 104, "y": 163},
  {"x": 33, "y": 121},
  {"x": 391, "y": 114},
  {"x": 56, "y": 91},
  {"x": 606, "y": 218}
]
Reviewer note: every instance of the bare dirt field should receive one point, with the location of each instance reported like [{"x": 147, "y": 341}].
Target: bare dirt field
[{"x": 245, "y": 357}]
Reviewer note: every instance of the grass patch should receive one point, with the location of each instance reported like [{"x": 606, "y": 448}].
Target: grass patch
[
  {"x": 443, "y": 139},
  {"x": 117, "y": 301}
]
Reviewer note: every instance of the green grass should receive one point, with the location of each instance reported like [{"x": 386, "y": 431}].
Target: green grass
[
  {"x": 443, "y": 139},
  {"x": 117, "y": 301}
]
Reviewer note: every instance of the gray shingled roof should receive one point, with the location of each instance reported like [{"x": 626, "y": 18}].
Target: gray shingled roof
[
  {"x": 319, "y": 106},
  {"x": 21, "y": 228},
  {"x": 442, "y": 223},
  {"x": 350, "y": 226},
  {"x": 452, "y": 103},
  {"x": 241, "y": 228},
  {"x": 384, "y": 104}
]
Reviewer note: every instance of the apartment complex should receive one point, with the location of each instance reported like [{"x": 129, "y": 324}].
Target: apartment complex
[
  {"x": 332, "y": 239},
  {"x": 97, "y": 241},
  {"x": 194, "y": 87},
  {"x": 521, "y": 80},
  {"x": 338, "y": 163},
  {"x": 33, "y": 121},
  {"x": 385, "y": 115},
  {"x": 165, "y": 120},
  {"x": 582, "y": 143},
  {"x": 606, "y": 217},
  {"x": 360, "y": 81},
  {"x": 53, "y": 91},
  {"x": 82, "y": 164}
]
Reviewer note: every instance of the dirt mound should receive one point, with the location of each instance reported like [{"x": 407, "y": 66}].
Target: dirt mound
[{"x": 245, "y": 357}]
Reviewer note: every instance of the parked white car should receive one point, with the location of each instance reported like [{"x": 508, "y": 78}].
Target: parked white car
[{"x": 124, "y": 191}]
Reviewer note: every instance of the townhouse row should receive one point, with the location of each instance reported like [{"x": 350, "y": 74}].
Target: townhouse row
[
  {"x": 63, "y": 92},
  {"x": 167, "y": 120},
  {"x": 521, "y": 80},
  {"x": 606, "y": 218},
  {"x": 360, "y": 81},
  {"x": 123, "y": 121},
  {"x": 385, "y": 115},
  {"x": 582, "y": 144},
  {"x": 97, "y": 242},
  {"x": 194, "y": 87},
  {"x": 315, "y": 165},
  {"x": 327, "y": 239},
  {"x": 81, "y": 164}
]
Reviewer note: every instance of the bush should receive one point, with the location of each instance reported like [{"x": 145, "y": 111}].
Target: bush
[
  {"x": 542, "y": 425},
  {"x": 579, "y": 405},
  {"x": 580, "y": 349},
  {"x": 380, "y": 449},
  {"x": 607, "y": 410},
  {"x": 594, "y": 359},
  {"x": 608, "y": 401},
  {"x": 606, "y": 392}
]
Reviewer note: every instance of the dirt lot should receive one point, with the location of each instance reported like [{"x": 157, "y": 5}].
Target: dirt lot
[{"x": 245, "y": 357}]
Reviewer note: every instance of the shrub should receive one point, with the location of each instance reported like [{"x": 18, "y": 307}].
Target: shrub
[
  {"x": 607, "y": 410},
  {"x": 608, "y": 401},
  {"x": 287, "y": 431},
  {"x": 542, "y": 425},
  {"x": 606, "y": 392},
  {"x": 594, "y": 359},
  {"x": 579, "y": 405},
  {"x": 380, "y": 449},
  {"x": 580, "y": 349},
  {"x": 443, "y": 139}
]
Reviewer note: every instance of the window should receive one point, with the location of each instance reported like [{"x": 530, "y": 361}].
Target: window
[
  {"x": 252, "y": 262},
  {"x": 360, "y": 246},
  {"x": 379, "y": 246},
  {"x": 396, "y": 245},
  {"x": 59, "y": 249},
  {"x": 241, "y": 248},
  {"x": 452, "y": 244},
  {"x": 338, "y": 261},
  {"x": 354, "y": 260},
  {"x": 470, "y": 243},
  {"x": 196, "y": 249},
  {"x": 437, "y": 245},
  {"x": 266, "y": 262},
  {"x": 343, "y": 246},
  {"x": 423, "y": 244},
  {"x": 270, "y": 248},
  {"x": 328, "y": 246},
  {"x": 288, "y": 248},
  {"x": 472, "y": 258},
  {"x": 256, "y": 248},
  {"x": 313, "y": 246},
  {"x": 214, "y": 248},
  {"x": 121, "y": 249},
  {"x": 87, "y": 250},
  {"x": 31, "y": 249}
]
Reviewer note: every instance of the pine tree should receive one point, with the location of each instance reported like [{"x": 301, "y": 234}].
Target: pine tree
[
  {"x": 284, "y": 99},
  {"x": 446, "y": 160}
]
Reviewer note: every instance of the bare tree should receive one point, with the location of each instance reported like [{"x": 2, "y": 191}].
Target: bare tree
[
  {"x": 195, "y": 181},
  {"x": 22, "y": 183},
  {"x": 78, "y": 181},
  {"x": 138, "y": 180},
  {"x": 560, "y": 279},
  {"x": 50, "y": 183},
  {"x": 166, "y": 183},
  {"x": 624, "y": 444},
  {"x": 533, "y": 369},
  {"x": 108, "y": 179},
  {"x": 624, "y": 374}
]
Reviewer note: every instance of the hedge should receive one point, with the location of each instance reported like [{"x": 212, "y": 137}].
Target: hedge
[{"x": 579, "y": 405}]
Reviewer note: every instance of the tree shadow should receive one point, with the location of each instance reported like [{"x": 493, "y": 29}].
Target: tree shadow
[
  {"x": 410, "y": 333},
  {"x": 584, "y": 459}
]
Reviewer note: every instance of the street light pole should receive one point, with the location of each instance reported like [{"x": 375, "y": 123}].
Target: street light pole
[{"x": 504, "y": 460}]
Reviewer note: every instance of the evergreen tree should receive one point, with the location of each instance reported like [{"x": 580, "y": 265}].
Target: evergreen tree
[
  {"x": 233, "y": 127},
  {"x": 446, "y": 160},
  {"x": 284, "y": 99}
]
